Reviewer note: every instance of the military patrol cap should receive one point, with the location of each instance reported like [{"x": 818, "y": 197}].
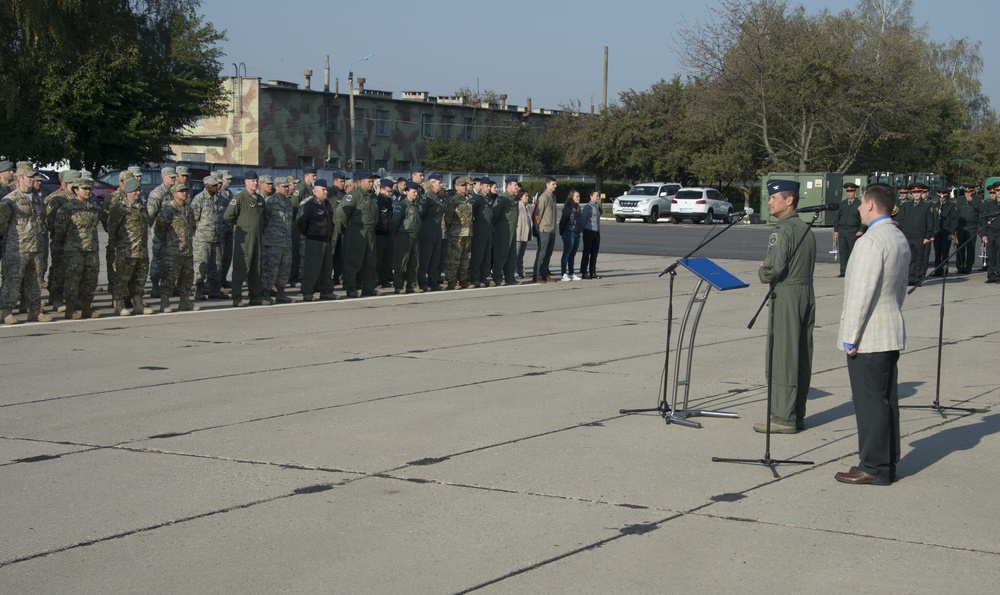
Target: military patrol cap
[
  {"x": 776, "y": 186},
  {"x": 510, "y": 179},
  {"x": 281, "y": 181},
  {"x": 851, "y": 186},
  {"x": 386, "y": 182},
  {"x": 363, "y": 174},
  {"x": 136, "y": 171},
  {"x": 308, "y": 170},
  {"x": 69, "y": 175},
  {"x": 132, "y": 185},
  {"x": 179, "y": 187},
  {"x": 212, "y": 180},
  {"x": 225, "y": 174},
  {"x": 292, "y": 180},
  {"x": 463, "y": 181},
  {"x": 417, "y": 169},
  {"x": 6, "y": 166},
  {"x": 412, "y": 186},
  {"x": 266, "y": 180},
  {"x": 24, "y": 169},
  {"x": 125, "y": 175},
  {"x": 321, "y": 183},
  {"x": 83, "y": 183},
  {"x": 437, "y": 177},
  {"x": 250, "y": 175},
  {"x": 86, "y": 174},
  {"x": 168, "y": 172},
  {"x": 183, "y": 171},
  {"x": 338, "y": 175}
]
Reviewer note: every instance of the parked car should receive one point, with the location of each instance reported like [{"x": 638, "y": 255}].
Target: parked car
[
  {"x": 700, "y": 204},
  {"x": 650, "y": 201}
]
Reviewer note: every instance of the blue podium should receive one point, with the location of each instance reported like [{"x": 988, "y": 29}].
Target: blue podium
[{"x": 709, "y": 275}]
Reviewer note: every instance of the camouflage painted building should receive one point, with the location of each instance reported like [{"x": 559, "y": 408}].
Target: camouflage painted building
[{"x": 277, "y": 124}]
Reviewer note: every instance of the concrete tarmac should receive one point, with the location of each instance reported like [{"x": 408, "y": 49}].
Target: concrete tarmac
[{"x": 471, "y": 440}]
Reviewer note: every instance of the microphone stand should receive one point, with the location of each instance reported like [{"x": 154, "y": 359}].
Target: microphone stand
[
  {"x": 661, "y": 406},
  {"x": 767, "y": 461},
  {"x": 943, "y": 267}
]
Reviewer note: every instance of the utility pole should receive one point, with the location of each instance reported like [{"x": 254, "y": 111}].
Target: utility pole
[{"x": 604, "y": 92}]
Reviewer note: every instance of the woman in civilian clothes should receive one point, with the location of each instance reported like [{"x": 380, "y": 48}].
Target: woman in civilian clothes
[
  {"x": 570, "y": 226},
  {"x": 523, "y": 231}
]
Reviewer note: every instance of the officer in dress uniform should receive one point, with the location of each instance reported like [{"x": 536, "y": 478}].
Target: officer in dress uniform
[{"x": 847, "y": 228}]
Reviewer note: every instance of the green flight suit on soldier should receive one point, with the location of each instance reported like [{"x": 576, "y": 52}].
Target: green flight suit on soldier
[
  {"x": 302, "y": 191},
  {"x": 405, "y": 226},
  {"x": 76, "y": 231},
  {"x": 789, "y": 267},
  {"x": 248, "y": 214},
  {"x": 847, "y": 228},
  {"x": 128, "y": 231},
  {"x": 431, "y": 238},
  {"x": 505, "y": 213},
  {"x": 458, "y": 233},
  {"x": 356, "y": 217},
  {"x": 481, "y": 252}
]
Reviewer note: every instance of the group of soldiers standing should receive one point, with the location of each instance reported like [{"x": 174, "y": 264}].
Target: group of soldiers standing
[
  {"x": 965, "y": 225},
  {"x": 410, "y": 235}
]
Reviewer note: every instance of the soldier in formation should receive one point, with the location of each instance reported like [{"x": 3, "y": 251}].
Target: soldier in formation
[
  {"x": 316, "y": 226},
  {"x": 970, "y": 208},
  {"x": 848, "y": 227},
  {"x": 481, "y": 248},
  {"x": 458, "y": 231},
  {"x": 991, "y": 237},
  {"x": 174, "y": 227},
  {"x": 406, "y": 228},
  {"x": 356, "y": 216},
  {"x": 128, "y": 231},
  {"x": 22, "y": 227},
  {"x": 431, "y": 238},
  {"x": 383, "y": 235},
  {"x": 276, "y": 264},
  {"x": 918, "y": 221},
  {"x": 945, "y": 231},
  {"x": 75, "y": 229},
  {"x": 208, "y": 237},
  {"x": 505, "y": 215},
  {"x": 247, "y": 213},
  {"x": 157, "y": 198}
]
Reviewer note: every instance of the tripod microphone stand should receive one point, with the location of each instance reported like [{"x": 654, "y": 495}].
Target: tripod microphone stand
[
  {"x": 943, "y": 268},
  {"x": 766, "y": 460},
  {"x": 662, "y": 407}
]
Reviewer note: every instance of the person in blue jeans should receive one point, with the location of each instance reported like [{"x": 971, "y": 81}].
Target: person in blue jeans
[{"x": 570, "y": 226}]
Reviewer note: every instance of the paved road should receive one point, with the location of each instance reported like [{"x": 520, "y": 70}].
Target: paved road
[{"x": 742, "y": 242}]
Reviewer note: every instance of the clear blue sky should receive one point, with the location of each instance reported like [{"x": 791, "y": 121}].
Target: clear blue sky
[{"x": 550, "y": 52}]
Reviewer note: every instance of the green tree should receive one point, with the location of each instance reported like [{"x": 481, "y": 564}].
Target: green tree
[{"x": 105, "y": 82}]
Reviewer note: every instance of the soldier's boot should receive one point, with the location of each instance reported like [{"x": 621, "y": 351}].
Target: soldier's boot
[
  {"x": 71, "y": 311},
  {"x": 36, "y": 315},
  {"x": 187, "y": 305},
  {"x": 265, "y": 297},
  {"x": 155, "y": 292},
  {"x": 281, "y": 298},
  {"x": 90, "y": 312},
  {"x": 139, "y": 306},
  {"x": 165, "y": 305},
  {"x": 8, "y": 317},
  {"x": 121, "y": 310},
  {"x": 57, "y": 306}
]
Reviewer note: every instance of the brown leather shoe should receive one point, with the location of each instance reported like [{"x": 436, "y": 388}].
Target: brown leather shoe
[{"x": 858, "y": 477}]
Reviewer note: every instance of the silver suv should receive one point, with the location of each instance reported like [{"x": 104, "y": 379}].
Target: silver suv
[{"x": 650, "y": 201}]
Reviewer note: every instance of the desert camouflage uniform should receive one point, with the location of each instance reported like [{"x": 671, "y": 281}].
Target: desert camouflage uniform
[
  {"x": 116, "y": 197},
  {"x": 277, "y": 261},
  {"x": 57, "y": 268},
  {"x": 22, "y": 223},
  {"x": 209, "y": 231},
  {"x": 175, "y": 229},
  {"x": 458, "y": 229},
  {"x": 76, "y": 230},
  {"x": 157, "y": 198},
  {"x": 128, "y": 231}
]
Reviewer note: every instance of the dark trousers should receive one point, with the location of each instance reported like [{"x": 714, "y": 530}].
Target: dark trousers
[
  {"x": 917, "y": 259},
  {"x": 993, "y": 258},
  {"x": 546, "y": 243},
  {"x": 481, "y": 257},
  {"x": 965, "y": 258},
  {"x": 591, "y": 247},
  {"x": 876, "y": 407},
  {"x": 845, "y": 245},
  {"x": 942, "y": 248},
  {"x": 318, "y": 268},
  {"x": 383, "y": 259},
  {"x": 519, "y": 265},
  {"x": 428, "y": 271}
]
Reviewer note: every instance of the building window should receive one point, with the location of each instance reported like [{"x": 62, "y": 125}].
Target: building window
[
  {"x": 359, "y": 164},
  {"x": 427, "y": 125},
  {"x": 195, "y": 157},
  {"x": 333, "y": 118},
  {"x": 382, "y": 122},
  {"x": 470, "y": 130},
  {"x": 333, "y": 162},
  {"x": 447, "y": 124},
  {"x": 404, "y": 165},
  {"x": 381, "y": 164},
  {"x": 305, "y": 161},
  {"x": 359, "y": 121}
]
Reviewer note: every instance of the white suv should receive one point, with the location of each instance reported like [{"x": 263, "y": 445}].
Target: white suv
[
  {"x": 700, "y": 204},
  {"x": 649, "y": 201}
]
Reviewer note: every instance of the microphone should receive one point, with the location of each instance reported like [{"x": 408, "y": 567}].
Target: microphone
[
  {"x": 833, "y": 206},
  {"x": 743, "y": 213}
]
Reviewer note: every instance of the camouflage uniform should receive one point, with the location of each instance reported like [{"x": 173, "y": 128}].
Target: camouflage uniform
[
  {"x": 356, "y": 215},
  {"x": 276, "y": 264},
  {"x": 57, "y": 268},
  {"x": 458, "y": 229},
  {"x": 22, "y": 223},
  {"x": 431, "y": 214},
  {"x": 405, "y": 226},
  {"x": 76, "y": 230},
  {"x": 223, "y": 197},
  {"x": 159, "y": 196},
  {"x": 118, "y": 196},
  {"x": 128, "y": 231},
  {"x": 481, "y": 253},
  {"x": 208, "y": 235},
  {"x": 247, "y": 213},
  {"x": 175, "y": 228}
]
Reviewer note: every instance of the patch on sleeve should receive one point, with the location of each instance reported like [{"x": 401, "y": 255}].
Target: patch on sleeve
[
  {"x": 399, "y": 208},
  {"x": 773, "y": 239},
  {"x": 233, "y": 202},
  {"x": 348, "y": 198}
]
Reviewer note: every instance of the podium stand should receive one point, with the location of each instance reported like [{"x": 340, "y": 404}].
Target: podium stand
[{"x": 709, "y": 275}]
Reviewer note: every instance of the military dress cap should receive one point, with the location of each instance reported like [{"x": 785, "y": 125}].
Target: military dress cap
[
  {"x": 70, "y": 175},
  {"x": 363, "y": 174},
  {"x": 437, "y": 177},
  {"x": 942, "y": 191},
  {"x": 183, "y": 170},
  {"x": 320, "y": 183},
  {"x": 168, "y": 172},
  {"x": 851, "y": 186},
  {"x": 412, "y": 186},
  {"x": 266, "y": 180},
  {"x": 179, "y": 187},
  {"x": 968, "y": 186},
  {"x": 39, "y": 176},
  {"x": 920, "y": 187},
  {"x": 6, "y": 166},
  {"x": 24, "y": 169},
  {"x": 992, "y": 187},
  {"x": 338, "y": 175},
  {"x": 308, "y": 170},
  {"x": 250, "y": 175},
  {"x": 386, "y": 182},
  {"x": 83, "y": 183},
  {"x": 132, "y": 185},
  {"x": 776, "y": 186},
  {"x": 510, "y": 179}
]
